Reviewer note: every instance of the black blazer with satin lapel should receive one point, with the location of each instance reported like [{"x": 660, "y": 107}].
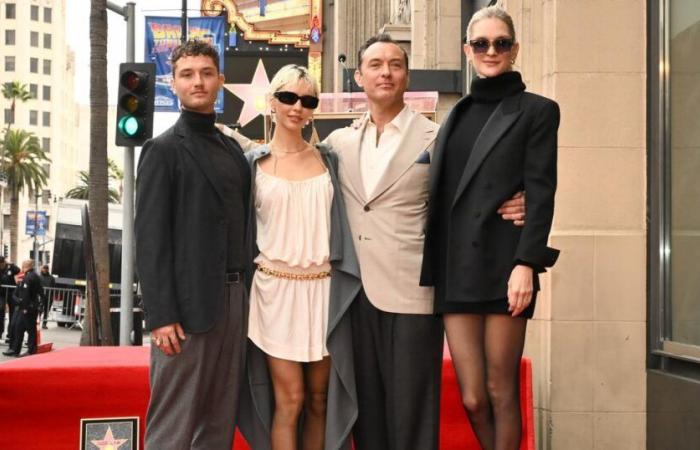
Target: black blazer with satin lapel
[
  {"x": 180, "y": 229},
  {"x": 516, "y": 150}
]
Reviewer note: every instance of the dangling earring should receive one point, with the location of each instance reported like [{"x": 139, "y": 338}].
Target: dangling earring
[{"x": 512, "y": 61}]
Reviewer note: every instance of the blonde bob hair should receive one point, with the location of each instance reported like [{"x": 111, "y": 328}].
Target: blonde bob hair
[
  {"x": 491, "y": 12},
  {"x": 291, "y": 74}
]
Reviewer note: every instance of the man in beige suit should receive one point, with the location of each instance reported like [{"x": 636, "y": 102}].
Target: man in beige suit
[{"x": 397, "y": 341}]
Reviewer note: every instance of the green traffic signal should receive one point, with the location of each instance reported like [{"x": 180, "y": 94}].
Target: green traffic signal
[{"x": 130, "y": 126}]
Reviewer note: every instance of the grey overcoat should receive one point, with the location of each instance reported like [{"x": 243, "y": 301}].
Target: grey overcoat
[{"x": 257, "y": 400}]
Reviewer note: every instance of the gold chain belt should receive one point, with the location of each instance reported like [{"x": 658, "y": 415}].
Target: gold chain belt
[{"x": 293, "y": 276}]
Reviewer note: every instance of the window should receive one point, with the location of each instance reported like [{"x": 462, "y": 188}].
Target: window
[
  {"x": 46, "y": 118},
  {"x": 9, "y": 37},
  {"x": 47, "y": 40},
  {"x": 674, "y": 237},
  {"x": 47, "y": 67},
  {"x": 9, "y": 63},
  {"x": 10, "y": 11},
  {"x": 46, "y": 92},
  {"x": 46, "y": 144},
  {"x": 33, "y": 118},
  {"x": 47, "y": 15},
  {"x": 34, "y": 13},
  {"x": 34, "y": 38},
  {"x": 34, "y": 65},
  {"x": 33, "y": 90},
  {"x": 9, "y": 116}
]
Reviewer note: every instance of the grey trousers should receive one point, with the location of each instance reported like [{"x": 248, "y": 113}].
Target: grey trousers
[
  {"x": 194, "y": 395},
  {"x": 398, "y": 364}
]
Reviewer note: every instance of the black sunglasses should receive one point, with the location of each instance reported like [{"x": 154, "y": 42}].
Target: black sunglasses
[
  {"x": 290, "y": 98},
  {"x": 501, "y": 45}
]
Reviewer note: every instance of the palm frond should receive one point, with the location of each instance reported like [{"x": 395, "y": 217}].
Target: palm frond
[
  {"x": 14, "y": 90},
  {"x": 23, "y": 161},
  {"x": 82, "y": 190}
]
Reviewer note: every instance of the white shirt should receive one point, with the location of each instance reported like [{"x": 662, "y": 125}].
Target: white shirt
[{"x": 375, "y": 155}]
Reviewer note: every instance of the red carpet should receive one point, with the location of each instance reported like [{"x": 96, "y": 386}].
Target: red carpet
[{"x": 43, "y": 398}]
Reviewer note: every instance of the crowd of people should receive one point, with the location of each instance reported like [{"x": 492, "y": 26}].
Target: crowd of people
[{"x": 302, "y": 292}]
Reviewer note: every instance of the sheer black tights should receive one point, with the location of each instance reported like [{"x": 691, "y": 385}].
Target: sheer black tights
[{"x": 486, "y": 352}]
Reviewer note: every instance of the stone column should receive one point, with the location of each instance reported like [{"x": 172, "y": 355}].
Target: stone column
[
  {"x": 356, "y": 21},
  {"x": 436, "y": 40},
  {"x": 588, "y": 341}
]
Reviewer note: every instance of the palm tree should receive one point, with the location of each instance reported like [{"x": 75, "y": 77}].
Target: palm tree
[
  {"x": 82, "y": 190},
  {"x": 14, "y": 91},
  {"x": 24, "y": 162},
  {"x": 98, "y": 181}
]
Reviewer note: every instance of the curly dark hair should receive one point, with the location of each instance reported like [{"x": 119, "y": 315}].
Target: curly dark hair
[{"x": 194, "y": 47}]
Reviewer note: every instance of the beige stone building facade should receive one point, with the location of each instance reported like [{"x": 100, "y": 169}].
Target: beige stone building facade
[
  {"x": 588, "y": 340},
  {"x": 615, "y": 341},
  {"x": 34, "y": 52}
]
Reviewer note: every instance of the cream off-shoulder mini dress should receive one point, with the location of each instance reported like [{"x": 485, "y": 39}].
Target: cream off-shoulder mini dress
[{"x": 290, "y": 290}]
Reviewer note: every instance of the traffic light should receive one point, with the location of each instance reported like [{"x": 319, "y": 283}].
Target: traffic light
[{"x": 137, "y": 82}]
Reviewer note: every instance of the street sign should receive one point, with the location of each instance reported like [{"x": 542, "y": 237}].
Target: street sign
[{"x": 36, "y": 220}]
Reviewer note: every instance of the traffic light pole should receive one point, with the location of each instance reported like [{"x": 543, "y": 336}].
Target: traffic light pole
[
  {"x": 183, "y": 22},
  {"x": 126, "y": 317}
]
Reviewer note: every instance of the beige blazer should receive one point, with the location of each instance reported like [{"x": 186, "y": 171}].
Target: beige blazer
[{"x": 388, "y": 225}]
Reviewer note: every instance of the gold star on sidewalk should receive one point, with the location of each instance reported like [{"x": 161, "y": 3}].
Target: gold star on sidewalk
[
  {"x": 253, "y": 94},
  {"x": 108, "y": 442}
]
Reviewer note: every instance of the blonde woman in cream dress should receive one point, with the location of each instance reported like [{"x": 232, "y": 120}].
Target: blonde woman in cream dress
[{"x": 296, "y": 205}]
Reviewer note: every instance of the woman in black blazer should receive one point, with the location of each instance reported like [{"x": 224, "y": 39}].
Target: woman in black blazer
[{"x": 496, "y": 141}]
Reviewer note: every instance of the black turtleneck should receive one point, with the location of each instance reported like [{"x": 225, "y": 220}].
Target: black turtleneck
[
  {"x": 232, "y": 179},
  {"x": 470, "y": 117}
]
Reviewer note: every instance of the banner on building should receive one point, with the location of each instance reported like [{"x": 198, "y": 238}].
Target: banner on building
[
  {"x": 37, "y": 222},
  {"x": 162, "y": 36}
]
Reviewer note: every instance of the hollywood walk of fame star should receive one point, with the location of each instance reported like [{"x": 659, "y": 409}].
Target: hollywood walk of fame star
[
  {"x": 253, "y": 94},
  {"x": 108, "y": 442}
]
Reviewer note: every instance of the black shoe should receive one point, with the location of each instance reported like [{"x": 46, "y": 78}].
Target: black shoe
[
  {"x": 26, "y": 354},
  {"x": 44, "y": 327},
  {"x": 10, "y": 353}
]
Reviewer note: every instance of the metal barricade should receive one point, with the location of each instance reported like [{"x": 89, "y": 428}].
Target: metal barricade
[
  {"x": 6, "y": 291},
  {"x": 67, "y": 306}
]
